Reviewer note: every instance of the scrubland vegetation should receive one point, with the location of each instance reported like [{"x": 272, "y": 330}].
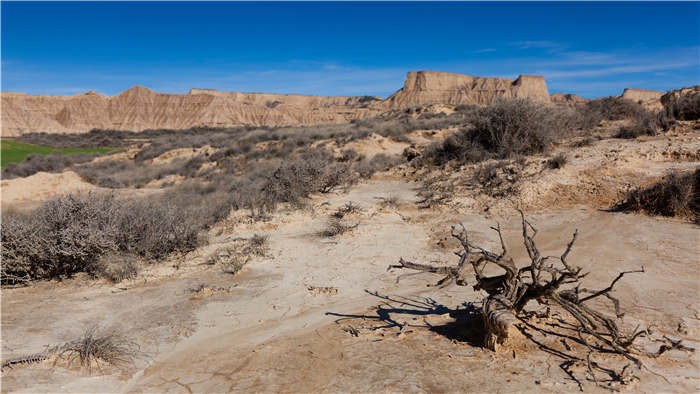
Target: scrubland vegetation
[{"x": 258, "y": 169}]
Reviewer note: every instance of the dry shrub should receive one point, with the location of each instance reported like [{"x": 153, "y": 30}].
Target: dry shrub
[
  {"x": 293, "y": 181},
  {"x": 97, "y": 347},
  {"x": 116, "y": 267},
  {"x": 557, "y": 161},
  {"x": 232, "y": 258},
  {"x": 259, "y": 244},
  {"x": 63, "y": 236},
  {"x": 335, "y": 227},
  {"x": 687, "y": 107},
  {"x": 436, "y": 190},
  {"x": 513, "y": 127},
  {"x": 67, "y": 234},
  {"x": 348, "y": 209},
  {"x": 497, "y": 179},
  {"x": 117, "y": 174},
  {"x": 92, "y": 139},
  {"x": 154, "y": 229},
  {"x": 644, "y": 124},
  {"x": 54, "y": 163},
  {"x": 505, "y": 129},
  {"x": 348, "y": 155},
  {"x": 611, "y": 108},
  {"x": 677, "y": 194}
]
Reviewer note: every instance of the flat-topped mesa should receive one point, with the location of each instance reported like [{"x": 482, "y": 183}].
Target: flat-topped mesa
[
  {"x": 429, "y": 87},
  {"x": 641, "y": 94}
]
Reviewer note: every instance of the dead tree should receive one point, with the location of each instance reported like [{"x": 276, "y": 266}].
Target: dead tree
[{"x": 549, "y": 281}]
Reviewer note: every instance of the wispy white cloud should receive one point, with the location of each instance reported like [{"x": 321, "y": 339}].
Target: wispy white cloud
[
  {"x": 550, "y": 46},
  {"x": 485, "y": 50},
  {"x": 607, "y": 71}
]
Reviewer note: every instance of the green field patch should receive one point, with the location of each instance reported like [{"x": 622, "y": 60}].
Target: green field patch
[{"x": 15, "y": 152}]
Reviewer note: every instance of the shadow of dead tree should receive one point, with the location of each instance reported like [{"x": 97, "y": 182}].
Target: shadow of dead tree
[{"x": 399, "y": 312}]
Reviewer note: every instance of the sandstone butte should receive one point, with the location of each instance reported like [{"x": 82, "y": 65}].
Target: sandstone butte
[
  {"x": 641, "y": 94},
  {"x": 140, "y": 108}
]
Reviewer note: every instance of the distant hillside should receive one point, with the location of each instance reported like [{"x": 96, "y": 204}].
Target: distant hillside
[{"x": 140, "y": 108}]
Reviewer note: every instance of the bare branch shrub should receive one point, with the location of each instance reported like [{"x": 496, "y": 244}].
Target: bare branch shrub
[
  {"x": 612, "y": 108},
  {"x": 645, "y": 123},
  {"x": 115, "y": 267},
  {"x": 295, "y": 180},
  {"x": 54, "y": 163},
  {"x": 67, "y": 234},
  {"x": 92, "y": 139},
  {"x": 348, "y": 155},
  {"x": 505, "y": 129},
  {"x": 677, "y": 194}
]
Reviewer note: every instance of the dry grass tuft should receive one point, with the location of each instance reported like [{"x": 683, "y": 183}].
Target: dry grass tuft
[
  {"x": 557, "y": 161},
  {"x": 348, "y": 209},
  {"x": 259, "y": 244},
  {"x": 336, "y": 227},
  {"x": 99, "y": 348}
]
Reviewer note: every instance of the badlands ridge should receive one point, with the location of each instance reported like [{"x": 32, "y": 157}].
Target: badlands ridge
[{"x": 140, "y": 108}]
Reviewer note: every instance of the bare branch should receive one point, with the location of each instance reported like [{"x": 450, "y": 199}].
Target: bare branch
[{"x": 610, "y": 287}]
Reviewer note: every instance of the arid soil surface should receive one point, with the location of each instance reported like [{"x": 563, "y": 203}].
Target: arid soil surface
[{"x": 325, "y": 314}]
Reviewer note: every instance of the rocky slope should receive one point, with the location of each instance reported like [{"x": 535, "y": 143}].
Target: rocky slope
[{"x": 140, "y": 108}]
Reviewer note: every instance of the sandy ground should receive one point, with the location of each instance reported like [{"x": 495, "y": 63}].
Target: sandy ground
[
  {"x": 27, "y": 193},
  {"x": 268, "y": 329}
]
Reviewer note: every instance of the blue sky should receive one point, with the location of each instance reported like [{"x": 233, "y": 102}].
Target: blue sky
[{"x": 591, "y": 49}]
